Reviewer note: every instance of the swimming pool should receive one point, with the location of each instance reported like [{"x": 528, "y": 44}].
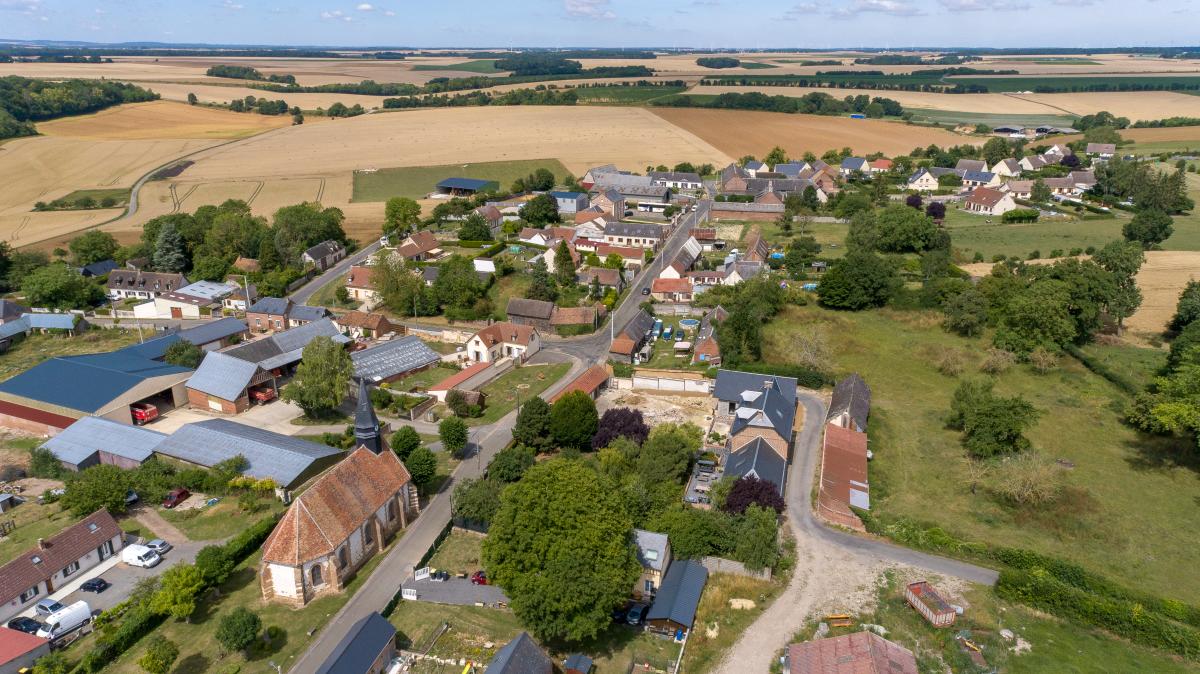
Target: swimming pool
[{"x": 689, "y": 323}]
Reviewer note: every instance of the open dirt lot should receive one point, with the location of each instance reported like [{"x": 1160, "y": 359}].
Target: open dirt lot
[
  {"x": 162, "y": 119},
  {"x": 661, "y": 409},
  {"x": 738, "y": 132}
]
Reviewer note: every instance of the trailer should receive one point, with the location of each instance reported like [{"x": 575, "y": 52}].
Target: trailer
[{"x": 929, "y": 603}]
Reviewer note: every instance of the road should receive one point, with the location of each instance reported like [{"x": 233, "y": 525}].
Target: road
[{"x": 302, "y": 295}]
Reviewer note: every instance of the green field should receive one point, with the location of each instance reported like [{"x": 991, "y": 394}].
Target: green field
[
  {"x": 1077, "y": 83},
  {"x": 525, "y": 381},
  {"x": 993, "y": 120},
  {"x": 482, "y": 66},
  {"x": 119, "y": 195},
  {"x": 417, "y": 181},
  {"x": 1128, "y": 500},
  {"x": 757, "y": 65},
  {"x": 220, "y": 521},
  {"x": 624, "y": 95},
  {"x": 970, "y": 233}
]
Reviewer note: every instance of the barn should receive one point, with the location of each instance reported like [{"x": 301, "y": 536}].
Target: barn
[{"x": 466, "y": 187}]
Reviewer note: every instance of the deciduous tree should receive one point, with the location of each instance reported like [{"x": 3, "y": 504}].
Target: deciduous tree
[
  {"x": 93, "y": 246},
  {"x": 238, "y": 629},
  {"x": 184, "y": 354},
  {"x": 477, "y": 499},
  {"x": 1149, "y": 227},
  {"x": 573, "y": 420},
  {"x": 751, "y": 491},
  {"x": 321, "y": 379},
  {"x": 667, "y": 453},
  {"x": 757, "y": 538},
  {"x": 178, "y": 588},
  {"x": 404, "y": 441},
  {"x": 57, "y": 286},
  {"x": 510, "y": 463},
  {"x": 101, "y": 486},
  {"x": 400, "y": 215},
  {"x": 160, "y": 655},
  {"x": 532, "y": 427},
  {"x": 421, "y": 465},
  {"x": 453, "y": 433},
  {"x": 859, "y": 281},
  {"x": 620, "y": 422},
  {"x": 540, "y": 210}
]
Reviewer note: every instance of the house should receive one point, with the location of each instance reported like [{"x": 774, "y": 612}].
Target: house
[
  {"x": 492, "y": 216},
  {"x": 757, "y": 249},
  {"x": 572, "y": 317},
  {"x": 520, "y": 656},
  {"x": 1007, "y": 168},
  {"x": 1083, "y": 180},
  {"x": 758, "y": 406},
  {"x": 241, "y": 297},
  {"x": 634, "y": 234},
  {"x": 419, "y": 246},
  {"x": 192, "y": 301},
  {"x": 759, "y": 460},
  {"x": 971, "y": 165},
  {"x": 503, "y": 340},
  {"x": 989, "y": 201},
  {"x": 11, "y": 311},
  {"x": 570, "y": 203},
  {"x": 754, "y": 166},
  {"x": 649, "y": 199},
  {"x": 324, "y": 255},
  {"x": 630, "y": 256},
  {"x": 18, "y": 650},
  {"x": 630, "y": 338},
  {"x": 367, "y": 648},
  {"x": 674, "y": 609},
  {"x": 92, "y": 441},
  {"x": 843, "y": 480},
  {"x": 854, "y": 166},
  {"x": 1103, "y": 151},
  {"x": 360, "y": 286},
  {"x": 688, "y": 253},
  {"x": 280, "y": 313},
  {"x": 125, "y": 283},
  {"x": 677, "y": 180},
  {"x": 549, "y": 257},
  {"x": 922, "y": 181},
  {"x": 465, "y": 187},
  {"x": 1032, "y": 163},
  {"x": 774, "y": 190},
  {"x": 654, "y": 554},
  {"x": 345, "y": 517},
  {"x": 591, "y": 381},
  {"x": 671, "y": 290},
  {"x": 742, "y": 271},
  {"x": 1020, "y": 189},
  {"x": 850, "y": 405},
  {"x": 535, "y": 313},
  {"x": 391, "y": 360},
  {"x": 610, "y": 202},
  {"x": 881, "y": 165},
  {"x": 441, "y": 389},
  {"x": 620, "y": 181},
  {"x": 972, "y": 179},
  {"x": 41, "y": 571},
  {"x": 535, "y": 237},
  {"x": 860, "y": 653},
  {"x": 100, "y": 384},
  {"x": 98, "y": 268},
  {"x": 707, "y": 350},
  {"x": 360, "y": 325},
  {"x": 608, "y": 278},
  {"x": 732, "y": 180},
  {"x": 707, "y": 238}
]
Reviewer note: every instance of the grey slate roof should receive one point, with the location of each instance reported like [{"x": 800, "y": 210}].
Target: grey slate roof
[
  {"x": 578, "y": 662},
  {"x": 653, "y": 543},
  {"x": 680, "y": 593},
  {"x": 270, "y": 305},
  {"x": 854, "y": 164},
  {"x": 776, "y": 397},
  {"x": 323, "y": 249},
  {"x": 675, "y": 176},
  {"x": 766, "y": 408},
  {"x": 526, "y": 308},
  {"x": 283, "y": 348},
  {"x": 282, "y": 458},
  {"x": 389, "y": 359},
  {"x": 223, "y": 375},
  {"x": 971, "y": 165},
  {"x": 638, "y": 326},
  {"x": 79, "y": 441},
  {"x": 758, "y": 459},
  {"x": 357, "y": 651},
  {"x": 634, "y": 229},
  {"x": 979, "y": 176},
  {"x": 520, "y": 656},
  {"x": 303, "y": 312},
  {"x": 851, "y": 396},
  {"x": 11, "y": 310},
  {"x": 213, "y": 331}
]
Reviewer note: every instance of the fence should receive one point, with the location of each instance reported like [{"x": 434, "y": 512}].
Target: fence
[
  {"x": 642, "y": 382},
  {"x": 721, "y": 565}
]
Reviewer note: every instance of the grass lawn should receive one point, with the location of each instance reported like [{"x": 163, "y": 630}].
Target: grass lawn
[
  {"x": 35, "y": 348},
  {"x": 1137, "y": 364},
  {"x": 33, "y": 522},
  {"x": 446, "y": 463},
  {"x": 664, "y": 350},
  {"x": 1128, "y": 498},
  {"x": 326, "y": 295},
  {"x": 990, "y": 119},
  {"x": 417, "y": 181},
  {"x": 624, "y": 95},
  {"x": 971, "y": 233},
  {"x": 704, "y": 652},
  {"x": 504, "y": 289},
  {"x": 482, "y": 66},
  {"x": 221, "y": 521},
  {"x": 422, "y": 380},
  {"x": 1056, "y": 646},
  {"x": 1187, "y": 226},
  {"x": 526, "y": 381},
  {"x": 442, "y": 347},
  {"x": 119, "y": 195},
  {"x": 461, "y": 552}
]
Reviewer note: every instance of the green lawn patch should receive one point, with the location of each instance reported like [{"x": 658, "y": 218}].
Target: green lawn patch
[
  {"x": 221, "y": 521},
  {"x": 33, "y": 522},
  {"x": 71, "y": 202},
  {"x": 526, "y": 381},
  {"x": 504, "y": 289},
  {"x": 461, "y": 552},
  {"x": 990, "y": 119},
  {"x": 1124, "y": 512},
  {"x": 35, "y": 348},
  {"x": 972, "y": 233},
  {"x": 417, "y": 181},
  {"x": 326, "y": 295},
  {"x": 703, "y": 653},
  {"x": 624, "y": 95},
  {"x": 422, "y": 380},
  {"x": 481, "y": 66},
  {"x": 1135, "y": 364}
]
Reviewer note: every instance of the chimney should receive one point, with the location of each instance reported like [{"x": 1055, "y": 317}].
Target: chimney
[{"x": 41, "y": 544}]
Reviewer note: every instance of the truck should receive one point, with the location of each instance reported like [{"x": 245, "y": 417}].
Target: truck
[
  {"x": 140, "y": 555},
  {"x": 65, "y": 620},
  {"x": 143, "y": 413}
]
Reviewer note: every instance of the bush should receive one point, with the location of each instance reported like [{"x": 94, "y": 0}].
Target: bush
[
  {"x": 1042, "y": 360},
  {"x": 804, "y": 376},
  {"x": 1028, "y": 480},
  {"x": 997, "y": 361}
]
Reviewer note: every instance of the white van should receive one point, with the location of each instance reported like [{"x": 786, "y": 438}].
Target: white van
[
  {"x": 65, "y": 621},
  {"x": 139, "y": 555}
]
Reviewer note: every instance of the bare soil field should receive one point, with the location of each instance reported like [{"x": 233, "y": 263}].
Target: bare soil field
[
  {"x": 738, "y": 133},
  {"x": 1161, "y": 279},
  {"x": 162, "y": 119}
]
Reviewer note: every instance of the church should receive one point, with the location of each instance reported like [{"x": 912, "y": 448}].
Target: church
[{"x": 345, "y": 517}]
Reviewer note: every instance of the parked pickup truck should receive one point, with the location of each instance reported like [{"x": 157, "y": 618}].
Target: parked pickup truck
[
  {"x": 263, "y": 394},
  {"x": 143, "y": 413}
]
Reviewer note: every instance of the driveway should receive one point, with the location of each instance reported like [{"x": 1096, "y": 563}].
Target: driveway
[{"x": 455, "y": 591}]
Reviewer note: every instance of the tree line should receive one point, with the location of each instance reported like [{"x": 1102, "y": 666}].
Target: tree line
[
  {"x": 248, "y": 73},
  {"x": 815, "y": 103},
  {"x": 24, "y": 100},
  {"x": 539, "y": 96}
]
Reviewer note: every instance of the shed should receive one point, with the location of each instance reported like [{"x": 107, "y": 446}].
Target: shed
[
  {"x": 96, "y": 440},
  {"x": 19, "y": 650},
  {"x": 389, "y": 361},
  {"x": 674, "y": 608},
  {"x": 861, "y": 653},
  {"x": 520, "y": 656},
  {"x": 578, "y": 663},
  {"x": 466, "y": 186}
]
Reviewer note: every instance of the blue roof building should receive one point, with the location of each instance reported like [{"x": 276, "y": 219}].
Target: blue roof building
[
  {"x": 674, "y": 608},
  {"x": 467, "y": 186}
]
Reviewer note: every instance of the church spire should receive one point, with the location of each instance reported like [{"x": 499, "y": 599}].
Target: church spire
[{"x": 367, "y": 432}]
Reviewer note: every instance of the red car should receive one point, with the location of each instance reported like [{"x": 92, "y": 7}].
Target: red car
[
  {"x": 143, "y": 413},
  {"x": 263, "y": 393},
  {"x": 479, "y": 578},
  {"x": 176, "y": 497}
]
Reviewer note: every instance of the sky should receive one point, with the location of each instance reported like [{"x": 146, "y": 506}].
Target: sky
[{"x": 704, "y": 24}]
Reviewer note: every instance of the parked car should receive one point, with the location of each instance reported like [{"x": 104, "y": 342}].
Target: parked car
[
  {"x": 131, "y": 497},
  {"x": 96, "y": 585},
  {"x": 636, "y": 614},
  {"x": 143, "y": 413},
  {"x": 23, "y": 624},
  {"x": 177, "y": 496},
  {"x": 263, "y": 394},
  {"x": 479, "y": 578},
  {"x": 47, "y": 606},
  {"x": 159, "y": 545},
  {"x": 140, "y": 555},
  {"x": 645, "y": 291},
  {"x": 618, "y": 615}
]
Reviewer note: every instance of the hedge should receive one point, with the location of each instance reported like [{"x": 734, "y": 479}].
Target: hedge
[
  {"x": 1103, "y": 370},
  {"x": 806, "y": 377}
]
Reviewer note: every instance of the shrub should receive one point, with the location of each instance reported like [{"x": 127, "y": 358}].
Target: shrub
[
  {"x": 1020, "y": 215},
  {"x": 997, "y": 361},
  {"x": 1028, "y": 479},
  {"x": 950, "y": 362},
  {"x": 1042, "y": 360}
]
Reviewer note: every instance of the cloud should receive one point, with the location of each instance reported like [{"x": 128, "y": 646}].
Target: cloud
[
  {"x": 802, "y": 10},
  {"x": 21, "y": 6},
  {"x": 1074, "y": 3},
  {"x": 232, "y": 6},
  {"x": 589, "y": 9},
  {"x": 335, "y": 15},
  {"x": 388, "y": 12},
  {"x": 365, "y": 7},
  {"x": 892, "y": 7},
  {"x": 983, "y": 5}
]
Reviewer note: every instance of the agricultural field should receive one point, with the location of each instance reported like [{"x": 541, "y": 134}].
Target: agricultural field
[
  {"x": 478, "y": 66},
  {"x": 1126, "y": 492},
  {"x": 214, "y": 92},
  {"x": 1004, "y": 83},
  {"x": 162, "y": 119},
  {"x": 624, "y": 95},
  {"x": 418, "y": 181},
  {"x": 737, "y": 132}
]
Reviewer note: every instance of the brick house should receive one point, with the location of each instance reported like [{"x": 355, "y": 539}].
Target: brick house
[
  {"x": 280, "y": 313},
  {"x": 360, "y": 325},
  {"x": 535, "y": 313},
  {"x": 672, "y": 289},
  {"x": 759, "y": 407}
]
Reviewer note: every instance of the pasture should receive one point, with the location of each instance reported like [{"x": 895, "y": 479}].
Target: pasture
[{"x": 418, "y": 181}]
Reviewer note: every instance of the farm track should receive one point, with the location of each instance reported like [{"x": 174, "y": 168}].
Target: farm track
[
  {"x": 179, "y": 202},
  {"x": 254, "y": 194},
  {"x": 321, "y": 191},
  {"x": 1055, "y": 107}
]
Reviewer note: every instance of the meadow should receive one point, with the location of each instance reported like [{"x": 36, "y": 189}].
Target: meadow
[
  {"x": 624, "y": 95},
  {"x": 418, "y": 181},
  {"x": 478, "y": 66}
]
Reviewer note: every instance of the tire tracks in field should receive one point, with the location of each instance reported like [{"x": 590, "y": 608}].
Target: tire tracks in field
[
  {"x": 254, "y": 194},
  {"x": 179, "y": 202},
  {"x": 321, "y": 190},
  {"x": 1052, "y": 107}
]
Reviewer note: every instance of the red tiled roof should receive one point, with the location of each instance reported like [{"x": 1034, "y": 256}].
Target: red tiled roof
[
  {"x": 884, "y": 164},
  {"x": 39, "y": 564},
  {"x": 626, "y": 252},
  {"x": 588, "y": 381},
  {"x": 985, "y": 196},
  {"x": 858, "y": 653},
  {"x": 459, "y": 377},
  {"x": 360, "y": 277},
  {"x": 357, "y": 319},
  {"x": 340, "y": 501},
  {"x": 704, "y": 233},
  {"x": 419, "y": 243},
  {"x": 845, "y": 461},
  {"x": 14, "y": 644},
  {"x": 671, "y": 285},
  {"x": 506, "y": 333},
  {"x": 622, "y": 345},
  {"x": 573, "y": 316}
]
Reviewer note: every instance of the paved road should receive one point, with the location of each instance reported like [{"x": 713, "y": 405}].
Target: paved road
[{"x": 302, "y": 295}]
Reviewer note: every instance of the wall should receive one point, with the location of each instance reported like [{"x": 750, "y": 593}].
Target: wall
[
  {"x": 33, "y": 420},
  {"x": 201, "y": 401},
  {"x": 666, "y": 384},
  {"x": 720, "y": 565}
]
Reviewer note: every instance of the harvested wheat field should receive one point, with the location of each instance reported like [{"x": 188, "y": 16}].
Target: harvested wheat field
[
  {"x": 739, "y": 133},
  {"x": 162, "y": 119},
  {"x": 214, "y": 93},
  {"x": 120, "y": 69},
  {"x": 1134, "y": 105},
  {"x": 1165, "y": 135},
  {"x": 1161, "y": 279}
]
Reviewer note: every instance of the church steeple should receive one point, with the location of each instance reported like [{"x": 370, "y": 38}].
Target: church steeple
[{"x": 367, "y": 431}]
